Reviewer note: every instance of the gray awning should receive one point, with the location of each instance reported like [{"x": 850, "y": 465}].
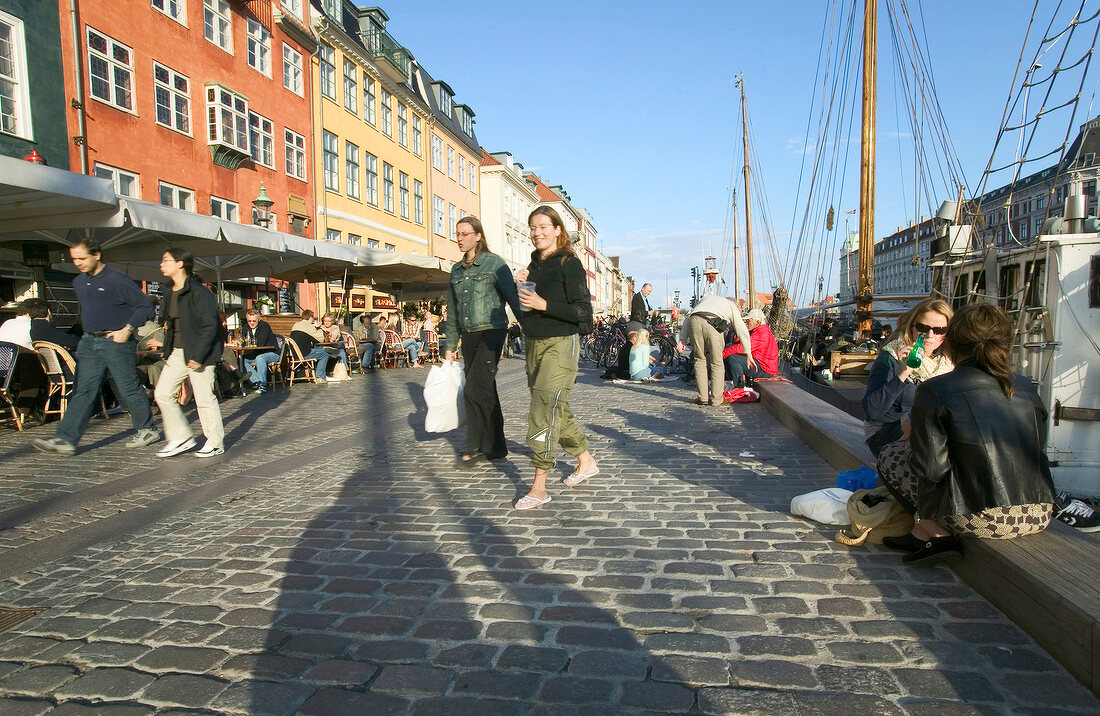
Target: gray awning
[{"x": 35, "y": 197}]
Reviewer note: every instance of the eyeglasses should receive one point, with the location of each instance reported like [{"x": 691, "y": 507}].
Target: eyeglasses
[
  {"x": 464, "y": 234},
  {"x": 925, "y": 328}
]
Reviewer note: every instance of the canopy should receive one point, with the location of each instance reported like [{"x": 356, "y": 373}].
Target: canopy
[{"x": 35, "y": 197}]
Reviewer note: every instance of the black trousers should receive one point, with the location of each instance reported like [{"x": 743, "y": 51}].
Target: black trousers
[{"x": 484, "y": 419}]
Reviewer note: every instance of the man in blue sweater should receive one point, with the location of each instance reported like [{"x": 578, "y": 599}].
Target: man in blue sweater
[{"x": 111, "y": 308}]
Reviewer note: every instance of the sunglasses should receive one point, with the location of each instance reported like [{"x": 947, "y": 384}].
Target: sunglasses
[{"x": 925, "y": 328}]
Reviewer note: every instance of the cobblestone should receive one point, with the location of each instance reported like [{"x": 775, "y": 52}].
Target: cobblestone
[{"x": 334, "y": 562}]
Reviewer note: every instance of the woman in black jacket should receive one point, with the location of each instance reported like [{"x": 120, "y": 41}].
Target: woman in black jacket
[
  {"x": 193, "y": 345},
  {"x": 552, "y": 318},
  {"x": 975, "y": 462}
]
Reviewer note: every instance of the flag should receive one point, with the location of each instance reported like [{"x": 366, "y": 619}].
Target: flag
[{"x": 850, "y": 212}]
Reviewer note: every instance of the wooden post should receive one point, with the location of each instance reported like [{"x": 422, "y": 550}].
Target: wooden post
[{"x": 866, "y": 287}]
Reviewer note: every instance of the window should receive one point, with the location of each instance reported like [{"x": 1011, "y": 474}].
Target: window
[
  {"x": 111, "y": 71},
  {"x": 462, "y": 170},
  {"x": 326, "y": 57},
  {"x": 295, "y": 154},
  {"x": 177, "y": 197},
  {"x": 351, "y": 87},
  {"x": 418, "y": 201},
  {"x": 391, "y": 247},
  {"x": 14, "y": 94},
  {"x": 332, "y": 235},
  {"x": 402, "y": 125},
  {"x": 332, "y": 9},
  {"x": 368, "y": 99},
  {"x": 451, "y": 161},
  {"x": 387, "y": 129},
  {"x": 292, "y": 69},
  {"x": 173, "y": 98},
  {"x": 217, "y": 25},
  {"x": 1041, "y": 202},
  {"x": 444, "y": 101},
  {"x": 1036, "y": 274},
  {"x": 224, "y": 209},
  {"x": 437, "y": 215},
  {"x": 351, "y": 169},
  {"x": 437, "y": 153},
  {"x": 371, "y": 176},
  {"x": 259, "y": 47},
  {"x": 471, "y": 181},
  {"x": 294, "y": 7},
  {"x": 416, "y": 135},
  {"x": 1038, "y": 226},
  {"x": 403, "y": 187},
  {"x": 355, "y": 240},
  {"x": 467, "y": 123},
  {"x": 452, "y": 220},
  {"x": 330, "y": 147},
  {"x": 1089, "y": 188},
  {"x": 387, "y": 186},
  {"x": 372, "y": 244},
  {"x": 227, "y": 118},
  {"x": 172, "y": 8},
  {"x": 126, "y": 184},
  {"x": 261, "y": 137}
]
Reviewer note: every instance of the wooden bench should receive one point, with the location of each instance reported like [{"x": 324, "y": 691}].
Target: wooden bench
[
  {"x": 850, "y": 363},
  {"x": 1045, "y": 583}
]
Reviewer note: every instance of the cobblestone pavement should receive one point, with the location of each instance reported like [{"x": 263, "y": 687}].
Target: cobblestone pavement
[{"x": 334, "y": 561}]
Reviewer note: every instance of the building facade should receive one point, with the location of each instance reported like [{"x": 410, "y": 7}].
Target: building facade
[{"x": 507, "y": 199}]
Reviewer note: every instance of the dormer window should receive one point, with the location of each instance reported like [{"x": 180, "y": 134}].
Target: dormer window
[
  {"x": 467, "y": 121},
  {"x": 444, "y": 101}
]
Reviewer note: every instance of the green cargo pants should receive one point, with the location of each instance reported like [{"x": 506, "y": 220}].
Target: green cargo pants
[{"x": 551, "y": 370}]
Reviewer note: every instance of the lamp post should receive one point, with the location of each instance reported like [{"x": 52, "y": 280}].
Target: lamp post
[{"x": 261, "y": 209}]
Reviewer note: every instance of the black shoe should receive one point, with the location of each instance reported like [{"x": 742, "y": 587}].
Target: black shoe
[
  {"x": 905, "y": 543},
  {"x": 935, "y": 551},
  {"x": 1076, "y": 513}
]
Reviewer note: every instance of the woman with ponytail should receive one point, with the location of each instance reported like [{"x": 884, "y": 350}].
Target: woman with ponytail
[{"x": 974, "y": 463}]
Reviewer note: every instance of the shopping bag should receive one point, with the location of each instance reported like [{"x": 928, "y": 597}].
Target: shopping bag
[
  {"x": 741, "y": 395},
  {"x": 443, "y": 394},
  {"x": 829, "y": 506}
]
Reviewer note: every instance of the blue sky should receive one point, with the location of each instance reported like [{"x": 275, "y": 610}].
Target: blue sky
[{"x": 631, "y": 107}]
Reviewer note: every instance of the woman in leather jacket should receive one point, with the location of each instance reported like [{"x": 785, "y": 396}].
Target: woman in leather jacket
[{"x": 974, "y": 463}]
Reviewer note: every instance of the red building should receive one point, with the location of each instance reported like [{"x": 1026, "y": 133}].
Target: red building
[{"x": 194, "y": 103}]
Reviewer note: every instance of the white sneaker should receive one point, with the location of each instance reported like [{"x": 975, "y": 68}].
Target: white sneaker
[
  {"x": 209, "y": 450},
  {"x": 175, "y": 447}
]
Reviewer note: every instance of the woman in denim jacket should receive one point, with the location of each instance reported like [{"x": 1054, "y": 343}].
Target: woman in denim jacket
[{"x": 480, "y": 286}]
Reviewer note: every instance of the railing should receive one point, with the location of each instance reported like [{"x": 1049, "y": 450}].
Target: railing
[{"x": 381, "y": 44}]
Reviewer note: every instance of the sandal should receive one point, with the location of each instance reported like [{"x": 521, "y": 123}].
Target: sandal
[
  {"x": 469, "y": 459},
  {"x": 529, "y": 503},
  {"x": 578, "y": 477}
]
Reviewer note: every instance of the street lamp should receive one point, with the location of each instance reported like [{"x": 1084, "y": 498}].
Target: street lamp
[{"x": 261, "y": 209}]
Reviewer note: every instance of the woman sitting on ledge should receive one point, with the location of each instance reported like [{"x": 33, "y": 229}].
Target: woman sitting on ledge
[{"x": 974, "y": 463}]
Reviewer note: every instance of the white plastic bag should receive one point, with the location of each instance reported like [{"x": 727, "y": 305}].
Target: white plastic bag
[
  {"x": 443, "y": 394},
  {"x": 829, "y": 506}
]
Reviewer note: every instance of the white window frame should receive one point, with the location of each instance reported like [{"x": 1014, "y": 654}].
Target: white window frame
[
  {"x": 174, "y": 97},
  {"x": 116, "y": 176},
  {"x": 387, "y": 187},
  {"x": 351, "y": 169},
  {"x": 333, "y": 235},
  {"x": 114, "y": 67},
  {"x": 354, "y": 239},
  {"x": 217, "y": 114},
  {"x": 165, "y": 7},
  {"x": 403, "y": 194},
  {"x": 259, "y": 47},
  {"x": 452, "y": 220},
  {"x": 351, "y": 87},
  {"x": 182, "y": 197},
  {"x": 437, "y": 215},
  {"x": 368, "y": 98},
  {"x": 418, "y": 135},
  {"x": 326, "y": 62},
  {"x": 437, "y": 153},
  {"x": 373, "y": 244},
  {"x": 450, "y": 161},
  {"x": 17, "y": 112},
  {"x": 292, "y": 70},
  {"x": 391, "y": 247},
  {"x": 261, "y": 139},
  {"x": 402, "y": 124},
  {"x": 444, "y": 102},
  {"x": 294, "y": 7},
  {"x": 370, "y": 178},
  {"x": 330, "y": 160},
  {"x": 294, "y": 151},
  {"x": 461, "y": 170},
  {"x": 418, "y": 201},
  {"x": 471, "y": 182},
  {"x": 386, "y": 112},
  {"x": 217, "y": 23},
  {"x": 225, "y": 209}
]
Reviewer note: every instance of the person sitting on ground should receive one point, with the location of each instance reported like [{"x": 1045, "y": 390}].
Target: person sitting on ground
[
  {"x": 764, "y": 349},
  {"x": 643, "y": 357},
  {"x": 42, "y": 329},
  {"x": 18, "y": 329},
  {"x": 334, "y": 335},
  {"x": 308, "y": 338},
  {"x": 974, "y": 462},
  {"x": 891, "y": 383},
  {"x": 257, "y": 334}
]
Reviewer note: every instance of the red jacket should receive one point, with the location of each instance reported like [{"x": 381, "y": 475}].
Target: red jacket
[{"x": 765, "y": 351}]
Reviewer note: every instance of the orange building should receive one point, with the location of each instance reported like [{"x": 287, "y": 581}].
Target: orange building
[{"x": 195, "y": 104}]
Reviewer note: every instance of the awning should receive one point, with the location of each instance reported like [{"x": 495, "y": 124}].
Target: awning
[{"x": 34, "y": 196}]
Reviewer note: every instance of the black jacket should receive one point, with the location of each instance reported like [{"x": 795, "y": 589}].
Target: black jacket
[
  {"x": 43, "y": 330},
  {"x": 262, "y": 336},
  {"x": 972, "y": 449},
  {"x": 562, "y": 281},
  {"x": 197, "y": 331},
  {"x": 638, "y": 311}
]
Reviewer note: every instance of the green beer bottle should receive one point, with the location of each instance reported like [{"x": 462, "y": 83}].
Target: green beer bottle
[{"x": 915, "y": 355}]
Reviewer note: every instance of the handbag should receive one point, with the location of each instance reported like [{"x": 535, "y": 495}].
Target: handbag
[{"x": 874, "y": 514}]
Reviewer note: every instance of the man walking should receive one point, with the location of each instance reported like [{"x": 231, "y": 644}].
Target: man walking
[
  {"x": 111, "y": 307},
  {"x": 639, "y": 309},
  {"x": 705, "y": 326}
]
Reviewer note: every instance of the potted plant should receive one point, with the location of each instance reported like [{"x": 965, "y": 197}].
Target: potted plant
[{"x": 265, "y": 304}]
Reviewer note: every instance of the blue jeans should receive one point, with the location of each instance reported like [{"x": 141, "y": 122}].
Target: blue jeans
[
  {"x": 413, "y": 347},
  {"x": 366, "y": 355},
  {"x": 738, "y": 366},
  {"x": 96, "y": 357},
  {"x": 322, "y": 357},
  {"x": 257, "y": 366}
]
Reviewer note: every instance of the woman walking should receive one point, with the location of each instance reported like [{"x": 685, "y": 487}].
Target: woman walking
[
  {"x": 480, "y": 286},
  {"x": 554, "y": 312},
  {"x": 193, "y": 343}
]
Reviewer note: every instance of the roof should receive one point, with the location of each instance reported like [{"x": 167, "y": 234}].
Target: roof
[
  {"x": 448, "y": 120},
  {"x": 488, "y": 160},
  {"x": 545, "y": 193}
]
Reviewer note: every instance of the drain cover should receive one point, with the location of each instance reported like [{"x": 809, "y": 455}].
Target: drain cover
[{"x": 14, "y": 616}]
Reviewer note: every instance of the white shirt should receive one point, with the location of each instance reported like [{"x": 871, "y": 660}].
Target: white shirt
[
  {"x": 723, "y": 308},
  {"x": 17, "y": 330}
]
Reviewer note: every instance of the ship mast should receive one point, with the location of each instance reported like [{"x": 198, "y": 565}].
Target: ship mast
[
  {"x": 748, "y": 196},
  {"x": 866, "y": 273}
]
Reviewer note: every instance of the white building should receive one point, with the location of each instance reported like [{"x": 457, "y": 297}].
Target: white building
[{"x": 507, "y": 199}]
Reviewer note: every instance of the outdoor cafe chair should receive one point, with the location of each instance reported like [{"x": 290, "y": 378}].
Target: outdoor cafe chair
[
  {"x": 60, "y": 367},
  {"x": 354, "y": 361},
  {"x": 9, "y": 352},
  {"x": 296, "y": 361},
  {"x": 276, "y": 372},
  {"x": 432, "y": 346},
  {"x": 392, "y": 352}
]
